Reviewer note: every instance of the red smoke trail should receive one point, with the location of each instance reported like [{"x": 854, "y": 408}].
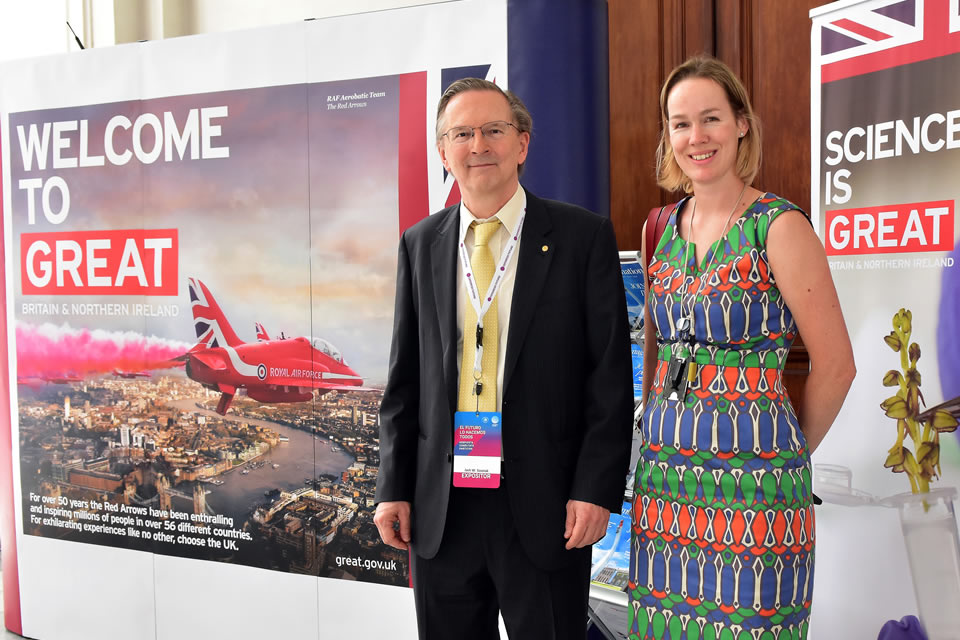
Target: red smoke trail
[{"x": 49, "y": 350}]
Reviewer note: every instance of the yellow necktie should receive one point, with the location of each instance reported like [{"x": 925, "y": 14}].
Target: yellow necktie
[{"x": 483, "y": 268}]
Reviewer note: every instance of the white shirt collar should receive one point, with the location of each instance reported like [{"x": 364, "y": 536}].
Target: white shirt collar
[{"x": 509, "y": 214}]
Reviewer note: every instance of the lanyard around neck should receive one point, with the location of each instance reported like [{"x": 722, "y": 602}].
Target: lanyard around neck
[{"x": 481, "y": 306}]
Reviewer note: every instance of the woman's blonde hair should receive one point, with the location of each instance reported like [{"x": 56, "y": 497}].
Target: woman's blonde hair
[{"x": 669, "y": 174}]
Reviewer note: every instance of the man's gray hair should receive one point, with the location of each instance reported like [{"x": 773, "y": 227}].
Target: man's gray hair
[{"x": 521, "y": 116}]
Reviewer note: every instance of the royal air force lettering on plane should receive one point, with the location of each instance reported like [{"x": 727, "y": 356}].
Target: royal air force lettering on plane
[
  {"x": 311, "y": 374},
  {"x": 262, "y": 371}
]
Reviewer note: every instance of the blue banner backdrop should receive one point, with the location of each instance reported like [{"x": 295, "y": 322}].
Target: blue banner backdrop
[{"x": 558, "y": 62}]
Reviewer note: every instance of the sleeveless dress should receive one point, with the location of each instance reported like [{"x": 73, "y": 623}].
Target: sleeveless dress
[{"x": 722, "y": 541}]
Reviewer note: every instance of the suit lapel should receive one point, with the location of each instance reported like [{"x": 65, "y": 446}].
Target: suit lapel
[
  {"x": 443, "y": 256},
  {"x": 533, "y": 263}
]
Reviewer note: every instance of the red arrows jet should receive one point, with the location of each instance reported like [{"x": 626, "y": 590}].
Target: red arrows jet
[
  {"x": 271, "y": 371},
  {"x": 61, "y": 378},
  {"x": 120, "y": 373}
]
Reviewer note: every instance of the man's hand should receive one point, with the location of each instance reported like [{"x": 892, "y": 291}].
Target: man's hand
[
  {"x": 393, "y": 523},
  {"x": 586, "y": 523}
]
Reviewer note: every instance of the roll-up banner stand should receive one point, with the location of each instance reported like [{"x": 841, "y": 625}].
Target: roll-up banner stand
[
  {"x": 199, "y": 244},
  {"x": 885, "y": 158}
]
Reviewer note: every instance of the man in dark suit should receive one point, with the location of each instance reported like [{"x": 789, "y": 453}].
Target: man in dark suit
[{"x": 556, "y": 339}]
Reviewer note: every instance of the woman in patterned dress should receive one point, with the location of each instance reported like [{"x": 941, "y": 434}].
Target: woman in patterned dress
[{"x": 723, "y": 524}]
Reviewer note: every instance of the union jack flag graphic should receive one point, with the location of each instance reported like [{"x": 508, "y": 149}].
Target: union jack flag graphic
[
  {"x": 447, "y": 77},
  {"x": 418, "y": 195},
  {"x": 413, "y": 198},
  {"x": 209, "y": 322},
  {"x": 871, "y": 36}
]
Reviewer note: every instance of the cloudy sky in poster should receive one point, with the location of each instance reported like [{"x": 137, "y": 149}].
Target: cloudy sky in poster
[{"x": 296, "y": 229}]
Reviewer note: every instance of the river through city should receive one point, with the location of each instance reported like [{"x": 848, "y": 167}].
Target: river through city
[{"x": 303, "y": 458}]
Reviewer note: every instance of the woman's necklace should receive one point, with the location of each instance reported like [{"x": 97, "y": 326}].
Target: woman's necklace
[
  {"x": 685, "y": 324},
  {"x": 675, "y": 384}
]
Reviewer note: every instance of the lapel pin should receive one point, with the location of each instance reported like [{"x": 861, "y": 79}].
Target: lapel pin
[{"x": 544, "y": 248}]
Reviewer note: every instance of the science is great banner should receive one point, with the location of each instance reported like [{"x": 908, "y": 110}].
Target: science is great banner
[{"x": 886, "y": 155}]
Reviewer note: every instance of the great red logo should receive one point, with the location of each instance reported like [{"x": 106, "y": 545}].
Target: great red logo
[
  {"x": 115, "y": 262},
  {"x": 896, "y": 228}
]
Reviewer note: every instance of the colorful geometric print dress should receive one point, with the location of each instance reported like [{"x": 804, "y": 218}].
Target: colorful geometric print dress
[{"x": 723, "y": 527}]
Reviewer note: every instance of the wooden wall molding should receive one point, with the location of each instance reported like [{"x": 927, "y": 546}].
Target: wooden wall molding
[{"x": 767, "y": 43}]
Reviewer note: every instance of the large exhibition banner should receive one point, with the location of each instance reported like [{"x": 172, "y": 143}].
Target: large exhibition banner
[
  {"x": 199, "y": 245},
  {"x": 886, "y": 155},
  {"x": 200, "y": 251},
  {"x": 149, "y": 236}
]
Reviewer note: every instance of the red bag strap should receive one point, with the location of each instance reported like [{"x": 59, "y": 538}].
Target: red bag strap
[{"x": 659, "y": 217}]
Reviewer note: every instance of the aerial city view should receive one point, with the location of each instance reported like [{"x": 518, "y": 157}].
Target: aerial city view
[{"x": 291, "y": 484}]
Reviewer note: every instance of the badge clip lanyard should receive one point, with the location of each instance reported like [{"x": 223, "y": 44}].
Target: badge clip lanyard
[
  {"x": 685, "y": 324},
  {"x": 481, "y": 308}
]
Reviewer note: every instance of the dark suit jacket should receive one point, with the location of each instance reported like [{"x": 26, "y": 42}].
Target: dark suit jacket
[{"x": 567, "y": 387}]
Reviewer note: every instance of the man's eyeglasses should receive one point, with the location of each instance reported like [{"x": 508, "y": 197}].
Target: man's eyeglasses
[{"x": 491, "y": 131}]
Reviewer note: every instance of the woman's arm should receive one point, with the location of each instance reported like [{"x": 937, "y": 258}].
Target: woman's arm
[
  {"x": 800, "y": 267},
  {"x": 649, "y": 333}
]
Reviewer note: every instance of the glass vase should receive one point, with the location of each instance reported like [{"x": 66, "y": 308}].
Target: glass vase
[{"x": 929, "y": 527}]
